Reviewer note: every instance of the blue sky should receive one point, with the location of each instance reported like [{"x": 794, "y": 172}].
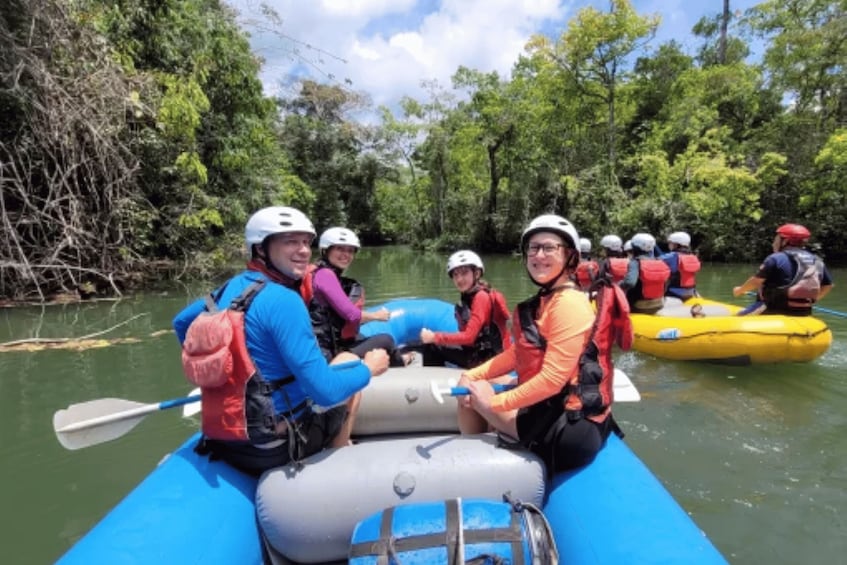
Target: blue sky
[{"x": 387, "y": 47}]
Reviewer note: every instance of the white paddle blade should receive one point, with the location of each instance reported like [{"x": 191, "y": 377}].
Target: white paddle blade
[
  {"x": 436, "y": 392},
  {"x": 86, "y": 437},
  {"x": 624, "y": 390},
  {"x": 396, "y": 313},
  {"x": 97, "y": 421},
  {"x": 189, "y": 410}
]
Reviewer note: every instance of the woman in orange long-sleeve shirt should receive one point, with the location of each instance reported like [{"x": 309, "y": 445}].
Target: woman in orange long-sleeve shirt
[{"x": 550, "y": 332}]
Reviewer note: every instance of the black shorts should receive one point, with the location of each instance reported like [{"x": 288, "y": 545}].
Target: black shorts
[
  {"x": 562, "y": 443},
  {"x": 318, "y": 429}
]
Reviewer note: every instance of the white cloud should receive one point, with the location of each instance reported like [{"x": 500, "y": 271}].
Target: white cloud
[
  {"x": 387, "y": 47},
  {"x": 365, "y": 8}
]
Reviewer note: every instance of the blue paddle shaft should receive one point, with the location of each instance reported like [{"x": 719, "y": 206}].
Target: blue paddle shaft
[
  {"x": 462, "y": 391},
  {"x": 178, "y": 402}
]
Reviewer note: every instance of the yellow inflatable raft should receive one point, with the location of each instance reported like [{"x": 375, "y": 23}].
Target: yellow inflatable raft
[{"x": 720, "y": 336}]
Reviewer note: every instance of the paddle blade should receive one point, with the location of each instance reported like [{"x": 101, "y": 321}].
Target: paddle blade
[
  {"x": 97, "y": 421},
  {"x": 193, "y": 408},
  {"x": 624, "y": 390}
]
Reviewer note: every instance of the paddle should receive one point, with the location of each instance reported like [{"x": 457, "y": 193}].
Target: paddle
[
  {"x": 439, "y": 393},
  {"x": 814, "y": 307},
  {"x": 98, "y": 421},
  {"x": 830, "y": 312},
  {"x": 624, "y": 389},
  {"x": 191, "y": 408}
]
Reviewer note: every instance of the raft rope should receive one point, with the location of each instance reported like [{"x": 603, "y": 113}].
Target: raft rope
[{"x": 730, "y": 332}]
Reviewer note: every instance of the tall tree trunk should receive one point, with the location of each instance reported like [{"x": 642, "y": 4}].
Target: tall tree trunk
[
  {"x": 612, "y": 134},
  {"x": 724, "y": 26}
]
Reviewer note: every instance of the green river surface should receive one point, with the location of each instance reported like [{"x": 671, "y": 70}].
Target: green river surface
[{"x": 756, "y": 455}]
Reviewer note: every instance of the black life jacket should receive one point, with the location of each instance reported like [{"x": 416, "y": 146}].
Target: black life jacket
[
  {"x": 331, "y": 330},
  {"x": 489, "y": 340}
]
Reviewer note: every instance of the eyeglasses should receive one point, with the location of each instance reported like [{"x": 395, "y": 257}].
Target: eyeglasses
[{"x": 547, "y": 248}]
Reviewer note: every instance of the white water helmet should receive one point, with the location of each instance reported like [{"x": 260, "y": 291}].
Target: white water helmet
[
  {"x": 338, "y": 236},
  {"x": 584, "y": 245},
  {"x": 628, "y": 245},
  {"x": 680, "y": 238},
  {"x": 612, "y": 242},
  {"x": 274, "y": 220},
  {"x": 644, "y": 241},
  {"x": 462, "y": 258},
  {"x": 551, "y": 223}
]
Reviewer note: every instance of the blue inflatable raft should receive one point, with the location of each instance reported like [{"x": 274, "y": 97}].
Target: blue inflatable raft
[{"x": 193, "y": 510}]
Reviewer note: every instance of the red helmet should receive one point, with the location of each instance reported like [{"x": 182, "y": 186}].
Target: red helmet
[{"x": 793, "y": 234}]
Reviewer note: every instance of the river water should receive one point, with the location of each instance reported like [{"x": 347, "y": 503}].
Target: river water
[{"x": 756, "y": 455}]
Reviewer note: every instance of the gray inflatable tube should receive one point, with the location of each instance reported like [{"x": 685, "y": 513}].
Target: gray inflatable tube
[{"x": 309, "y": 515}]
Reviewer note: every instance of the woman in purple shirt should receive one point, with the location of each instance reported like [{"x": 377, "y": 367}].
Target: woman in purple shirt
[{"x": 335, "y": 302}]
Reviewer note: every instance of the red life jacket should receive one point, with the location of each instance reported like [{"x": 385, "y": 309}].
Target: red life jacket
[
  {"x": 493, "y": 337},
  {"x": 237, "y": 403},
  {"x": 589, "y": 393},
  {"x": 654, "y": 275},
  {"x": 618, "y": 267},
  {"x": 586, "y": 273},
  {"x": 356, "y": 293},
  {"x": 688, "y": 265}
]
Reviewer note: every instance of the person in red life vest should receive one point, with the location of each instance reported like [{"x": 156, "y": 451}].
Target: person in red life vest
[
  {"x": 684, "y": 266},
  {"x": 249, "y": 346},
  {"x": 561, "y": 352},
  {"x": 791, "y": 279},
  {"x": 615, "y": 262},
  {"x": 588, "y": 270},
  {"x": 336, "y": 302},
  {"x": 482, "y": 315},
  {"x": 646, "y": 278}
]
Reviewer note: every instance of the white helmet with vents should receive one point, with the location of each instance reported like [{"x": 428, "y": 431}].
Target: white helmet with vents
[
  {"x": 551, "y": 223},
  {"x": 276, "y": 219},
  {"x": 680, "y": 238},
  {"x": 612, "y": 242},
  {"x": 644, "y": 241},
  {"x": 584, "y": 245},
  {"x": 463, "y": 258},
  {"x": 338, "y": 236}
]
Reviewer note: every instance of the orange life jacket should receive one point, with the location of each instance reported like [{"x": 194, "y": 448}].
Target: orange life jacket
[
  {"x": 589, "y": 393},
  {"x": 654, "y": 275},
  {"x": 586, "y": 273},
  {"x": 237, "y": 403}
]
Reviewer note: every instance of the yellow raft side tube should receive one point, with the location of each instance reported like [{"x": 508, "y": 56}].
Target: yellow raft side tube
[{"x": 722, "y": 337}]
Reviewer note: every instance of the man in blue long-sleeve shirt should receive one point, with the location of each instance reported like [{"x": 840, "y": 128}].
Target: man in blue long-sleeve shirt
[{"x": 284, "y": 351}]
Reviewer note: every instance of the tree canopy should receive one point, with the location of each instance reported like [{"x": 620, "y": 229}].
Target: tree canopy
[{"x": 135, "y": 134}]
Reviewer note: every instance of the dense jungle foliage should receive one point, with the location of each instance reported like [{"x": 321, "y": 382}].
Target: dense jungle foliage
[{"x": 135, "y": 137}]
